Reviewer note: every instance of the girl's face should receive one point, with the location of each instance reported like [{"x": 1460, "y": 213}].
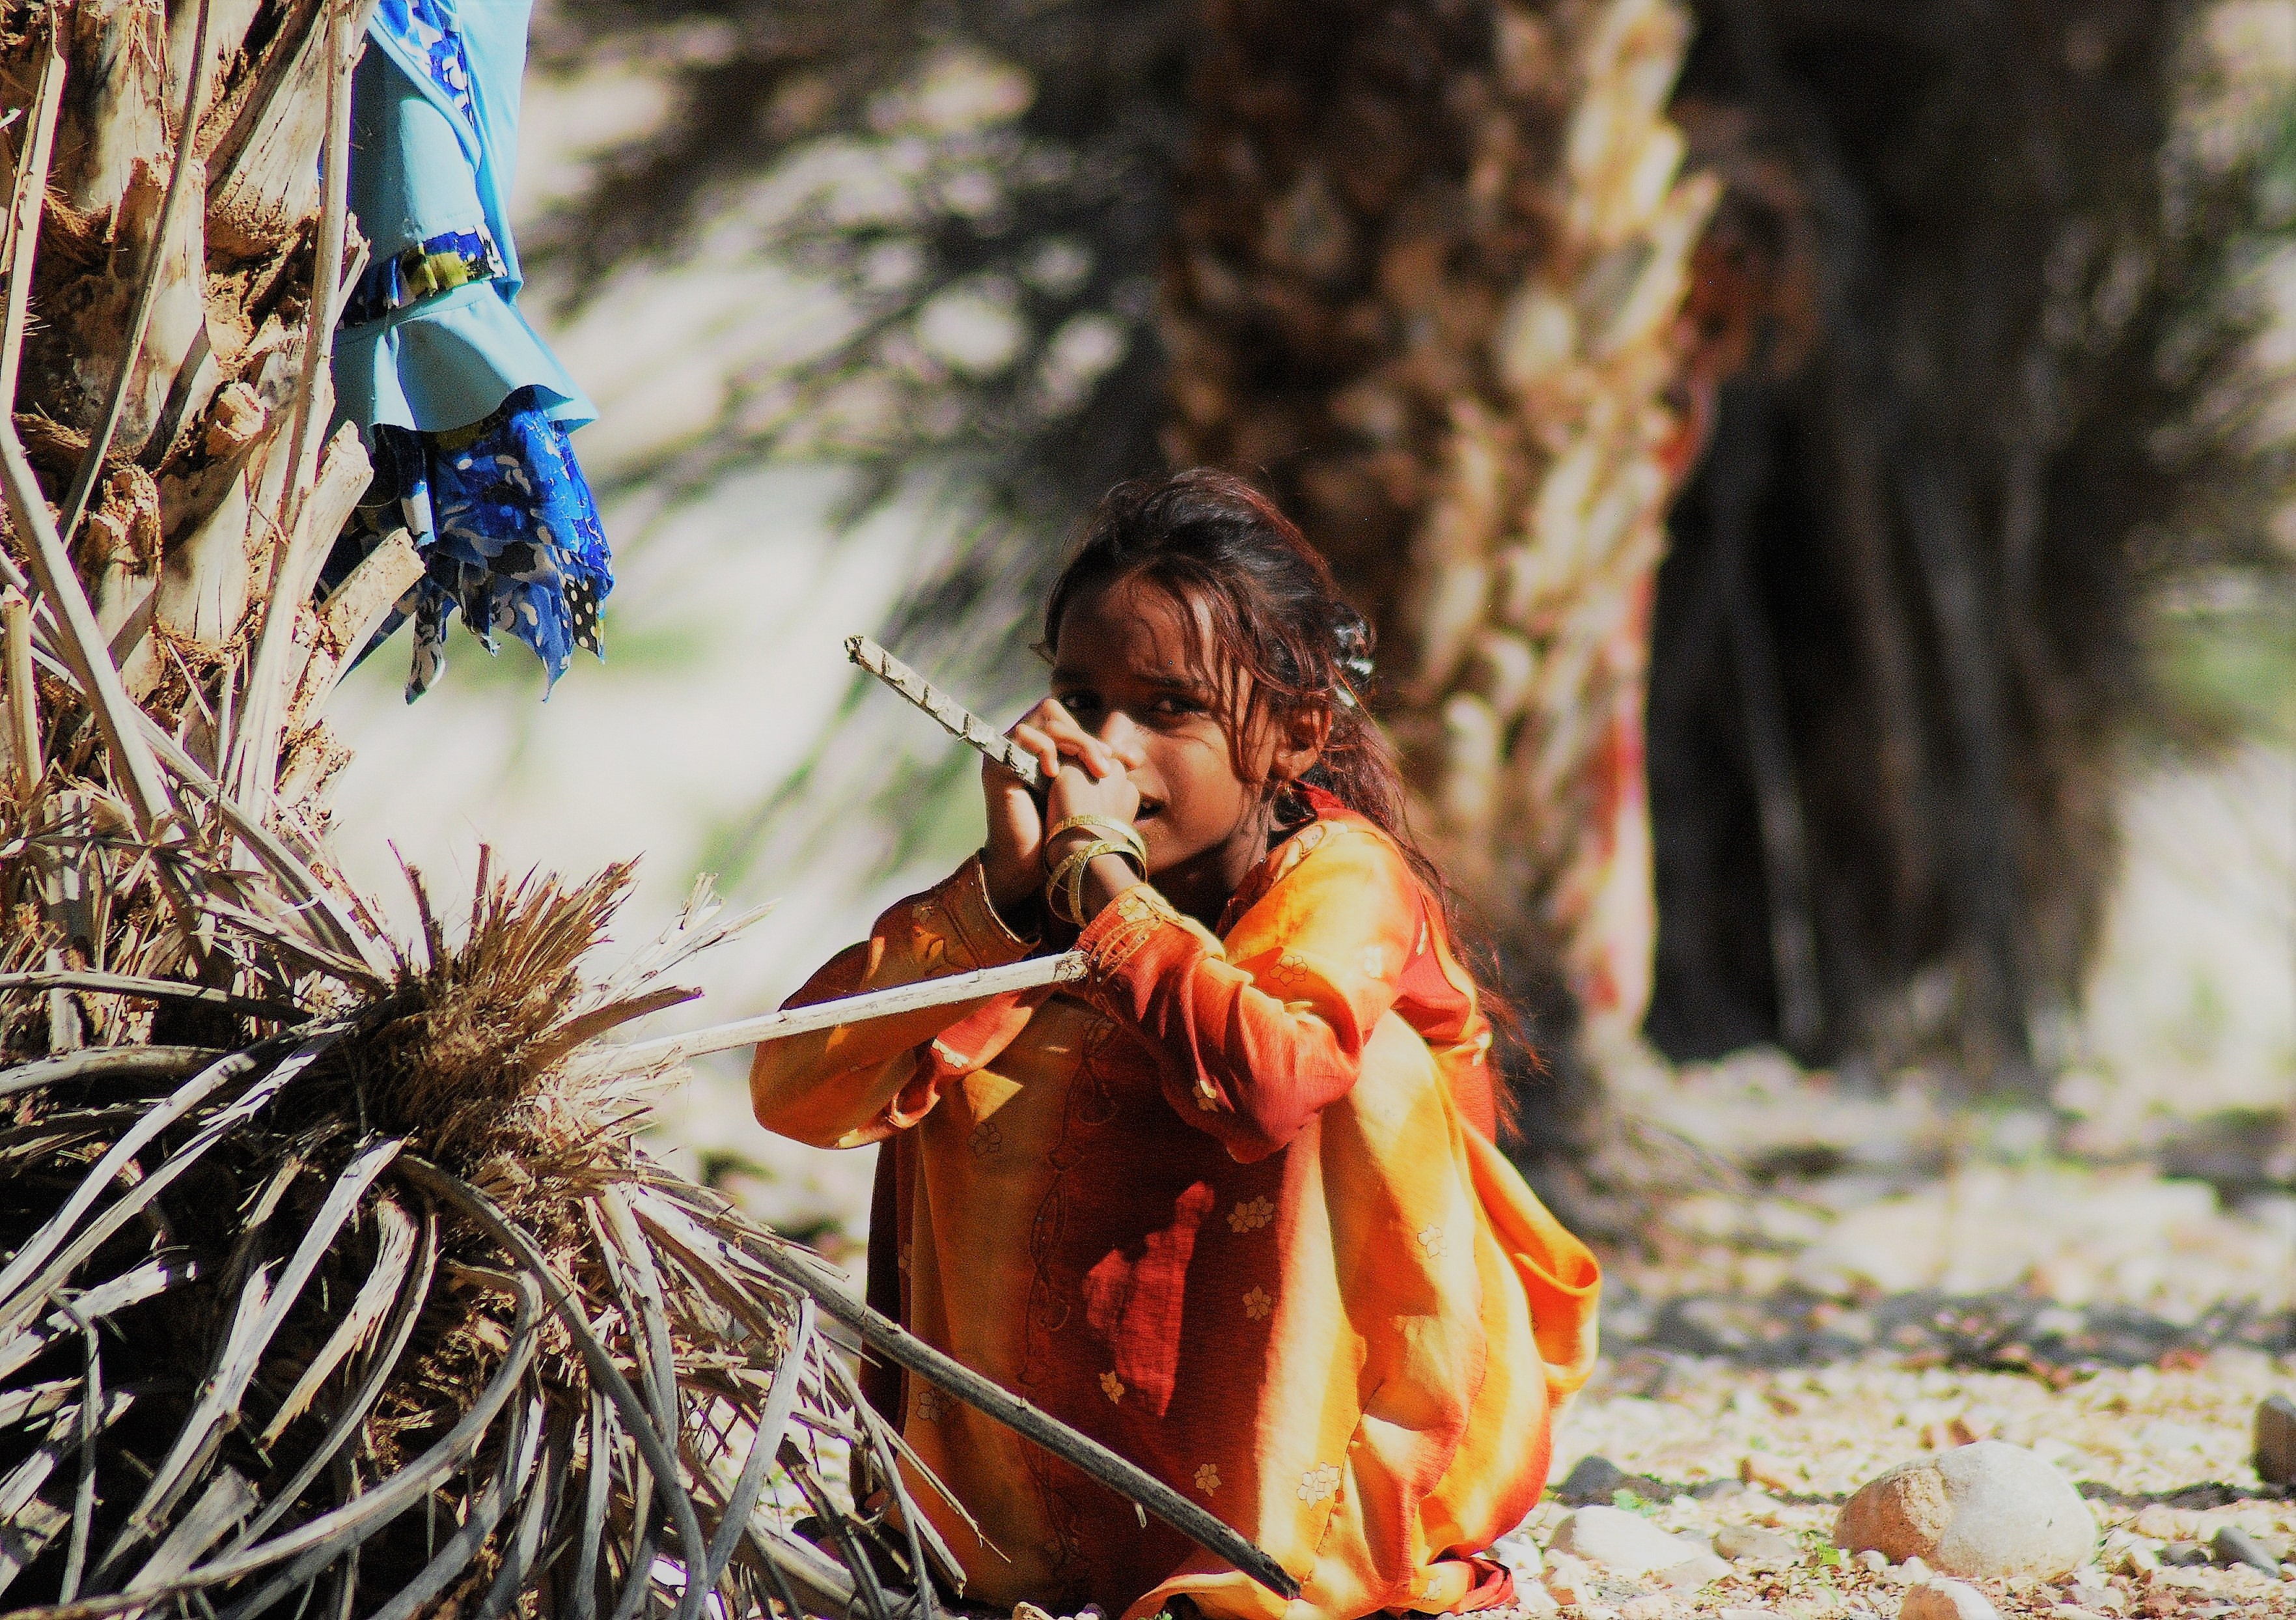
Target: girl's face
[{"x": 1122, "y": 667}]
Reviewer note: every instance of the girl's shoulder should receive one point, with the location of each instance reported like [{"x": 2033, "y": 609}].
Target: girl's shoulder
[{"x": 1338, "y": 844}]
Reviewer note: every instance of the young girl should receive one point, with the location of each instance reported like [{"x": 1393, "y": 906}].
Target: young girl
[{"x": 1233, "y": 1208}]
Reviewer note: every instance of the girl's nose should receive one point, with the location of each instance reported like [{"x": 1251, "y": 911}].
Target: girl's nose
[{"x": 1122, "y": 738}]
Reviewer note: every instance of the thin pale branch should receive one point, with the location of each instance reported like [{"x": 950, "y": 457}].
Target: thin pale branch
[
  {"x": 1037, "y": 973},
  {"x": 253, "y": 767},
  {"x": 23, "y": 237},
  {"x": 155, "y": 989}
]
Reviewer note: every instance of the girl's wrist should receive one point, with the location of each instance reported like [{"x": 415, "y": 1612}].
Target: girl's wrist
[
  {"x": 1104, "y": 878},
  {"x": 1085, "y": 878}
]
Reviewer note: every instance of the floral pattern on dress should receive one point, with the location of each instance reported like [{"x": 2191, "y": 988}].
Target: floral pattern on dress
[
  {"x": 1259, "y": 1303},
  {"x": 1291, "y": 974},
  {"x": 1113, "y": 1387},
  {"x": 932, "y": 1405},
  {"x": 1374, "y": 961},
  {"x": 985, "y": 1139},
  {"x": 1319, "y": 1482},
  {"x": 1208, "y": 1479},
  {"x": 1432, "y": 1240},
  {"x": 1249, "y": 1217}
]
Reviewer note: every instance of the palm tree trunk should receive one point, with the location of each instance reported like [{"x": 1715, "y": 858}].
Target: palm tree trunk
[
  {"x": 1427, "y": 277},
  {"x": 172, "y": 324}
]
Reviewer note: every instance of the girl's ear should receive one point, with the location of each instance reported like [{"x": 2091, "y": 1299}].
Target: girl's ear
[{"x": 1300, "y": 742}]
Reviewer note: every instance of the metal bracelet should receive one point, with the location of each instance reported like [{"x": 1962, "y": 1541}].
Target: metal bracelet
[
  {"x": 1070, "y": 875},
  {"x": 1124, "y": 831}
]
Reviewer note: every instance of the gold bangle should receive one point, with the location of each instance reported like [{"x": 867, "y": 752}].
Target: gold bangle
[
  {"x": 1080, "y": 871},
  {"x": 1124, "y": 831},
  {"x": 1068, "y": 877}
]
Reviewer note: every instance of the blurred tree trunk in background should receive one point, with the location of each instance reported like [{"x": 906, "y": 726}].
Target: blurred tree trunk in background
[
  {"x": 1425, "y": 275},
  {"x": 1979, "y": 297}
]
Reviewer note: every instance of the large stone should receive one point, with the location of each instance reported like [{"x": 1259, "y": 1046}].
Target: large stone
[
  {"x": 1626, "y": 1544},
  {"x": 1946, "y": 1601},
  {"x": 2276, "y": 1441},
  {"x": 1990, "y": 1510}
]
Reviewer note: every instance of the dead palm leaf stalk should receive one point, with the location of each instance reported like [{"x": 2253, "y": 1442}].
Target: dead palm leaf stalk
[{"x": 331, "y": 1270}]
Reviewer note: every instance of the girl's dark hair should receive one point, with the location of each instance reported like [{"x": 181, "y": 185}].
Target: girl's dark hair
[{"x": 1280, "y": 639}]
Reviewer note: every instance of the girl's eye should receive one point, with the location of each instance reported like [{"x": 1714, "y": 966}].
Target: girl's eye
[
  {"x": 1175, "y": 706},
  {"x": 1075, "y": 702}
]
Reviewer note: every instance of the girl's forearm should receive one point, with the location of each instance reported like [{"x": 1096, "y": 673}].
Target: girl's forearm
[
  {"x": 1103, "y": 880},
  {"x": 834, "y": 1086},
  {"x": 1248, "y": 1067}
]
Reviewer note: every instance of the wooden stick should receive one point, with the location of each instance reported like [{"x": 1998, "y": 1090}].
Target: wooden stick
[
  {"x": 954, "y": 718},
  {"x": 1034, "y": 974},
  {"x": 23, "y": 721}
]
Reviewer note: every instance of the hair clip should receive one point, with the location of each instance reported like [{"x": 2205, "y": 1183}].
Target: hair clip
[{"x": 1351, "y": 644}]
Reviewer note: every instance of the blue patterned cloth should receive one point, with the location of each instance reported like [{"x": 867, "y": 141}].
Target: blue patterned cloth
[
  {"x": 464, "y": 410},
  {"x": 432, "y": 37},
  {"x": 434, "y": 146},
  {"x": 508, "y": 531}
]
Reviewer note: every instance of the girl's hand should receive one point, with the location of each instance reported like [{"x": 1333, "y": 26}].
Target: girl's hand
[
  {"x": 1014, "y": 859},
  {"x": 1076, "y": 792}
]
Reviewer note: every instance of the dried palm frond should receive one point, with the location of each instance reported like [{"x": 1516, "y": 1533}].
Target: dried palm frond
[{"x": 380, "y": 1307}]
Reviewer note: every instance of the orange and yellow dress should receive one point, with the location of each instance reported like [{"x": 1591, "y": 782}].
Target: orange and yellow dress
[{"x": 1232, "y": 1208}]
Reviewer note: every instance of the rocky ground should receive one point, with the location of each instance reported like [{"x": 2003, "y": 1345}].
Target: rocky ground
[
  {"x": 1887, "y": 1276},
  {"x": 1714, "y": 1450}
]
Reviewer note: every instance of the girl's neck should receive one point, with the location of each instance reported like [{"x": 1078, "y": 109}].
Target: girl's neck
[{"x": 1202, "y": 885}]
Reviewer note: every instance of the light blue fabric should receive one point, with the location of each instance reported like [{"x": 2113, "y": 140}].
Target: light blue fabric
[
  {"x": 434, "y": 120},
  {"x": 464, "y": 410}
]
